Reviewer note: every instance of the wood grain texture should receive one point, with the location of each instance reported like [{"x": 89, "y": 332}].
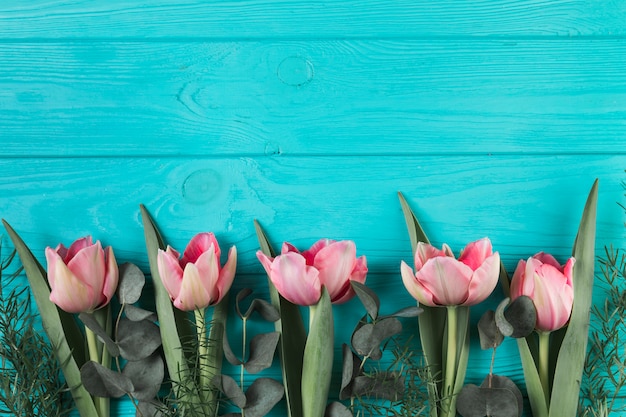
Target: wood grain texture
[
  {"x": 382, "y": 97},
  {"x": 308, "y": 19}
]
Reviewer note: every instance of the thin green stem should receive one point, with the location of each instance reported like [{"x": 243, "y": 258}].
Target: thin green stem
[
  {"x": 450, "y": 362},
  {"x": 544, "y": 356},
  {"x": 203, "y": 352},
  {"x": 92, "y": 346},
  {"x": 243, "y": 357}
]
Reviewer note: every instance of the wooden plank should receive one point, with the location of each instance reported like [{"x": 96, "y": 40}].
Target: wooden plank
[
  {"x": 385, "y": 97},
  {"x": 523, "y": 203},
  {"x": 160, "y": 19}
]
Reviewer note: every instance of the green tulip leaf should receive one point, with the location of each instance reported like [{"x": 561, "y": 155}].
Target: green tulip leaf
[
  {"x": 103, "y": 382},
  {"x": 262, "y": 396},
  {"x": 571, "y": 357},
  {"x": 292, "y": 337},
  {"x": 169, "y": 320},
  {"x": 536, "y": 397},
  {"x": 318, "y": 358},
  {"x": 262, "y": 348},
  {"x": 90, "y": 322},
  {"x": 146, "y": 376},
  {"x": 432, "y": 320},
  {"x": 490, "y": 336},
  {"x": 368, "y": 298},
  {"x": 65, "y": 337},
  {"x": 131, "y": 283}
]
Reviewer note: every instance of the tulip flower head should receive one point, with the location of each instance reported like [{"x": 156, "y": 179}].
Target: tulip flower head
[
  {"x": 197, "y": 280},
  {"x": 549, "y": 285},
  {"x": 442, "y": 280},
  {"x": 83, "y": 277},
  {"x": 299, "y": 277}
]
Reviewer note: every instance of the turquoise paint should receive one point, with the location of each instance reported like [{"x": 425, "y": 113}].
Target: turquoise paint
[{"x": 492, "y": 117}]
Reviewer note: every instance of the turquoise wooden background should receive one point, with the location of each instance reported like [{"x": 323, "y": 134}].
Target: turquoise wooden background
[{"x": 493, "y": 117}]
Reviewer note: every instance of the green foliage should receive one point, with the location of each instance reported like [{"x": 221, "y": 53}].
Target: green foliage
[{"x": 30, "y": 382}]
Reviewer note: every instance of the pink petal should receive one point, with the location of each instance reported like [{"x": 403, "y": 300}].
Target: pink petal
[
  {"x": 310, "y": 253},
  {"x": 568, "y": 270},
  {"x": 265, "y": 260},
  {"x": 67, "y": 291},
  {"x": 227, "y": 274},
  {"x": 62, "y": 251},
  {"x": 425, "y": 251},
  {"x": 288, "y": 247},
  {"x": 198, "y": 245},
  {"x": 546, "y": 258},
  {"x": 417, "y": 291},
  {"x": 484, "y": 280},
  {"x": 170, "y": 271},
  {"x": 447, "y": 279},
  {"x": 516, "y": 281},
  {"x": 111, "y": 277},
  {"x": 335, "y": 263},
  {"x": 359, "y": 273},
  {"x": 88, "y": 266},
  {"x": 193, "y": 293},
  {"x": 475, "y": 253},
  {"x": 76, "y": 247},
  {"x": 296, "y": 281},
  {"x": 208, "y": 269},
  {"x": 553, "y": 298}
]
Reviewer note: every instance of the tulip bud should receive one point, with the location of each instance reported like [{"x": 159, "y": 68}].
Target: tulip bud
[
  {"x": 549, "y": 285},
  {"x": 197, "y": 280},
  {"x": 82, "y": 278},
  {"x": 299, "y": 277},
  {"x": 442, "y": 280}
]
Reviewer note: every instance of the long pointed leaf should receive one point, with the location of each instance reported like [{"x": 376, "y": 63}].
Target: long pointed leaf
[
  {"x": 432, "y": 320},
  {"x": 172, "y": 348},
  {"x": 570, "y": 362},
  {"x": 463, "y": 315},
  {"x": 318, "y": 358},
  {"x": 292, "y": 340},
  {"x": 52, "y": 320},
  {"x": 534, "y": 389}
]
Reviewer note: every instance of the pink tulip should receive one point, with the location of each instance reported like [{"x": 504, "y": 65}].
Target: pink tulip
[
  {"x": 549, "y": 285},
  {"x": 299, "y": 277},
  {"x": 82, "y": 278},
  {"x": 197, "y": 280},
  {"x": 441, "y": 280}
]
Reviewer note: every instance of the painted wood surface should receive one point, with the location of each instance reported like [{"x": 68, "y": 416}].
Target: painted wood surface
[{"x": 492, "y": 117}]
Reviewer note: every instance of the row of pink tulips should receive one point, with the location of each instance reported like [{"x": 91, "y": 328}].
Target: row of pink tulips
[{"x": 84, "y": 276}]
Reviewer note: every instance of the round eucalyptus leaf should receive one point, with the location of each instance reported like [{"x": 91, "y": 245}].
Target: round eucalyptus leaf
[
  {"x": 262, "y": 396},
  {"x": 130, "y": 284},
  {"x": 241, "y": 295},
  {"x": 475, "y": 401},
  {"x": 497, "y": 381},
  {"x": 412, "y": 311},
  {"x": 138, "y": 339},
  {"x": 368, "y": 298},
  {"x": 228, "y": 352},
  {"x": 92, "y": 324},
  {"x": 103, "y": 382},
  {"x": 351, "y": 369},
  {"x": 265, "y": 309},
  {"x": 383, "y": 385},
  {"x": 137, "y": 314},
  {"x": 366, "y": 340},
  {"x": 522, "y": 315},
  {"x": 503, "y": 325},
  {"x": 146, "y": 375},
  {"x": 151, "y": 409},
  {"x": 230, "y": 389},
  {"x": 490, "y": 335},
  {"x": 336, "y": 409},
  {"x": 262, "y": 348}
]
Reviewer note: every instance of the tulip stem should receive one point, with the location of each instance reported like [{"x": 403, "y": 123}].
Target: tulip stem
[
  {"x": 450, "y": 362},
  {"x": 92, "y": 344},
  {"x": 203, "y": 352},
  {"x": 544, "y": 355}
]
